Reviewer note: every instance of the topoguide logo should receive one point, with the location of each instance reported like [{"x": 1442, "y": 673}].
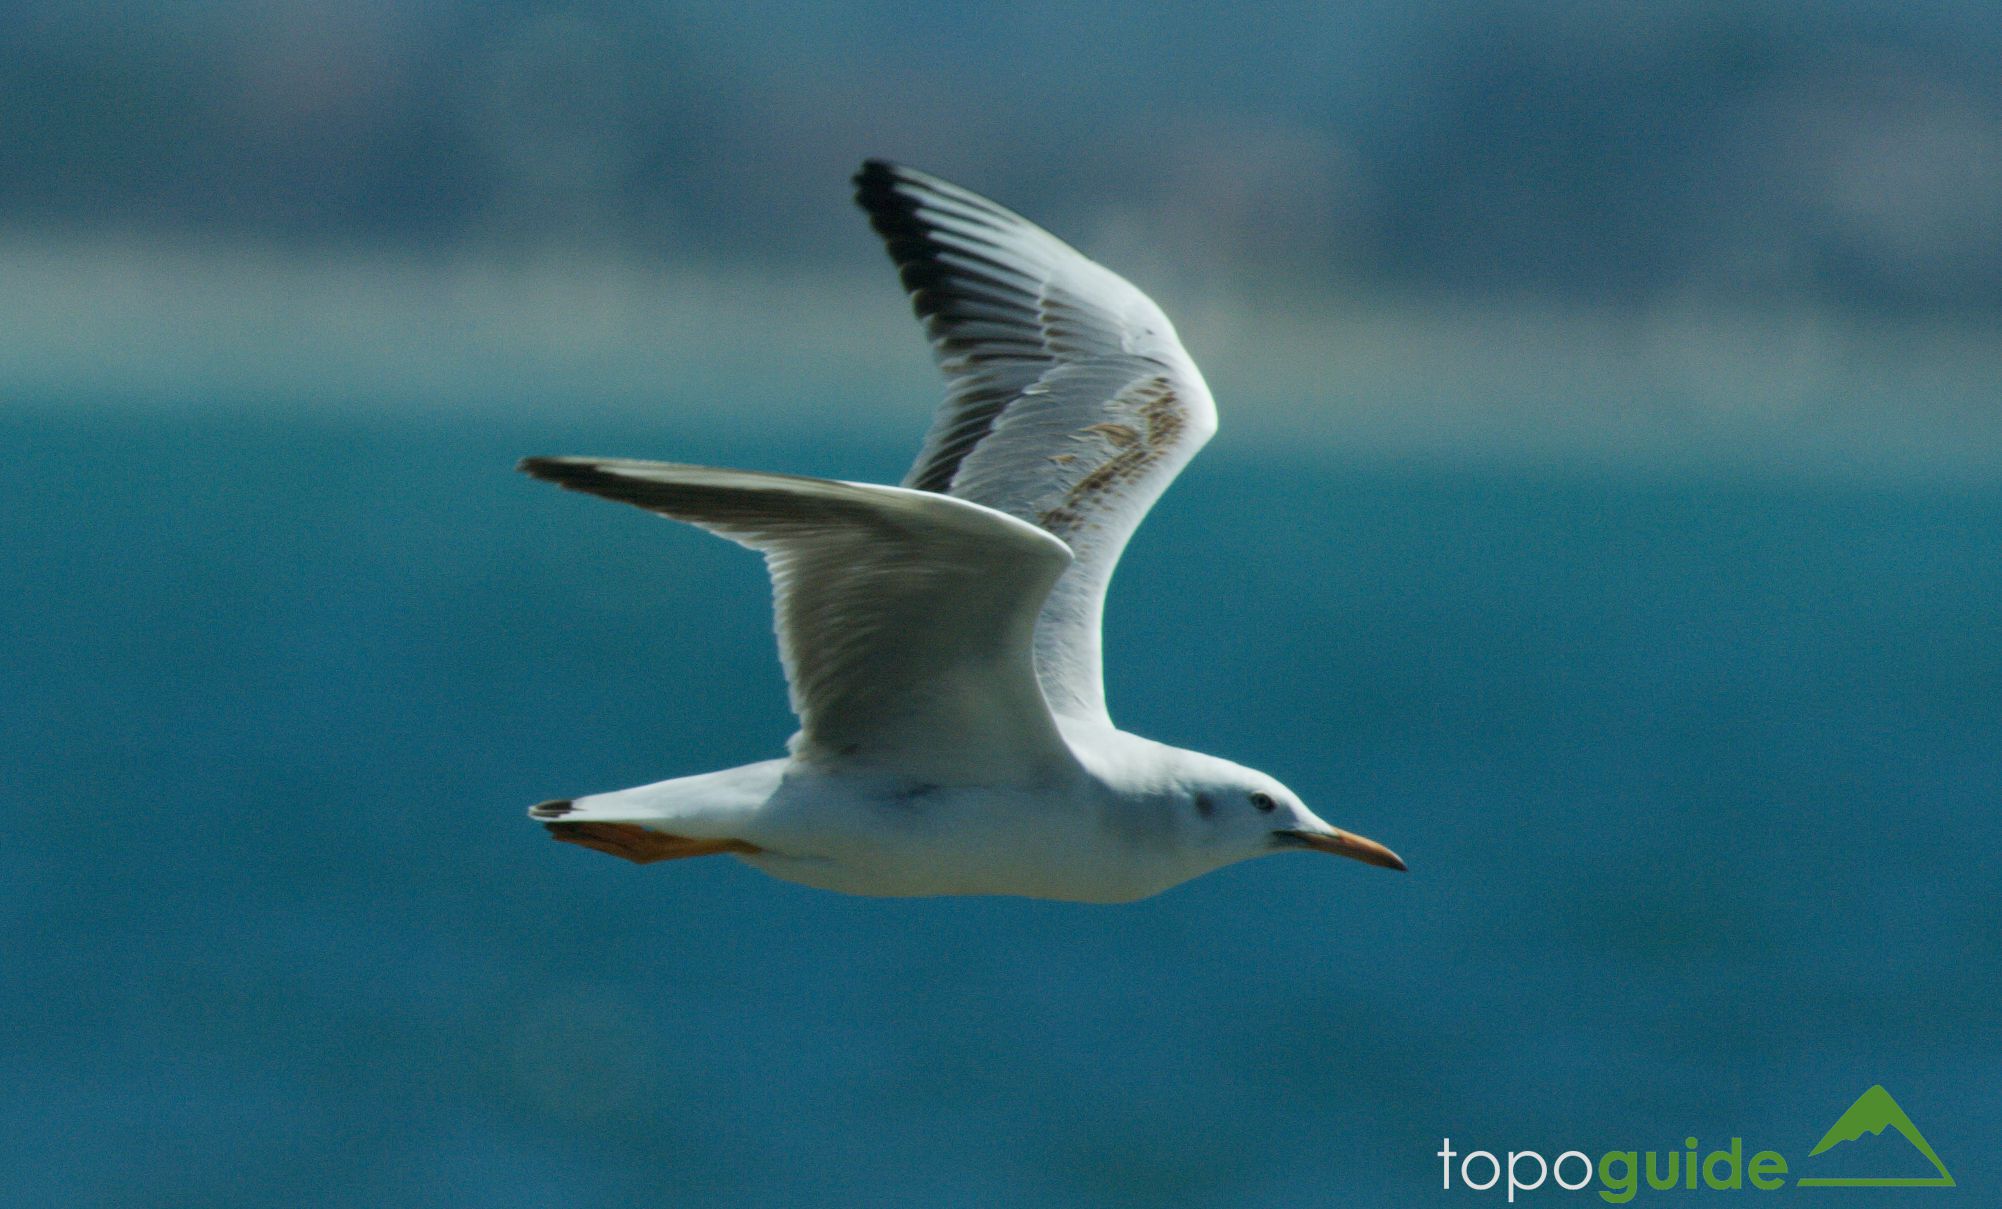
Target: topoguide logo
[{"x": 1620, "y": 1175}]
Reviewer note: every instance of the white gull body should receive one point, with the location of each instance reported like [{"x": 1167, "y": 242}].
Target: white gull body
[{"x": 941, "y": 638}]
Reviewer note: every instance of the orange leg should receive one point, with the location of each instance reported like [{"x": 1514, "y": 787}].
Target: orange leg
[{"x": 635, "y": 843}]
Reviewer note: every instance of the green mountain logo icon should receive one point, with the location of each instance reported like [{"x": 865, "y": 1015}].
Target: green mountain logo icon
[{"x": 1873, "y": 1112}]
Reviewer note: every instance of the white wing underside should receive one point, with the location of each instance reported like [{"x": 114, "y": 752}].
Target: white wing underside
[
  {"x": 1070, "y": 402},
  {"x": 905, "y": 618}
]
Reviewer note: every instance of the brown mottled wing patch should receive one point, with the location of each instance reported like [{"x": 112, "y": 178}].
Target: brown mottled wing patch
[
  {"x": 1070, "y": 402},
  {"x": 1127, "y": 456}
]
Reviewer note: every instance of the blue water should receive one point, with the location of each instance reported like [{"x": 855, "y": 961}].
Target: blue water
[{"x": 1697, "y": 776}]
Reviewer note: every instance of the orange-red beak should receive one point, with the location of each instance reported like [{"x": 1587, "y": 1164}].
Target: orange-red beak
[{"x": 1342, "y": 843}]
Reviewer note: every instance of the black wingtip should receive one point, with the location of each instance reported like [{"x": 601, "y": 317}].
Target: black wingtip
[
  {"x": 572, "y": 473},
  {"x": 554, "y": 808},
  {"x": 891, "y": 196},
  {"x": 875, "y": 172},
  {"x": 876, "y": 191}
]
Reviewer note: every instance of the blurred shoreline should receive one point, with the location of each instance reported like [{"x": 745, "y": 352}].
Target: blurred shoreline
[{"x": 131, "y": 321}]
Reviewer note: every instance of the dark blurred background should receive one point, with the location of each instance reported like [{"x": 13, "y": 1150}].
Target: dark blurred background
[
  {"x": 1759, "y": 229},
  {"x": 1844, "y": 154},
  {"x": 1605, "y": 516}
]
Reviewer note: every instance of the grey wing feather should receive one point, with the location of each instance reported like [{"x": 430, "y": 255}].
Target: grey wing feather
[
  {"x": 1070, "y": 401},
  {"x": 904, "y": 618}
]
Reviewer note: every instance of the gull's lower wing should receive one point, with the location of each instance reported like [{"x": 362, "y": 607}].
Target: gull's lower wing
[
  {"x": 1070, "y": 402},
  {"x": 905, "y": 619}
]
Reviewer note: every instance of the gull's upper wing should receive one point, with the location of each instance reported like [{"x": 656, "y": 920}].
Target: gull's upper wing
[
  {"x": 905, "y": 619},
  {"x": 1070, "y": 402}
]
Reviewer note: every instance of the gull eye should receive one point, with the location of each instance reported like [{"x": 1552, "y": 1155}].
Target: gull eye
[{"x": 1264, "y": 802}]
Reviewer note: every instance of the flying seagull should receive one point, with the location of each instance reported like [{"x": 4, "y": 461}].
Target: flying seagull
[{"x": 941, "y": 638}]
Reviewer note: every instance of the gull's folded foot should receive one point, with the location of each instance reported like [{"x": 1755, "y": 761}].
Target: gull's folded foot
[{"x": 632, "y": 842}]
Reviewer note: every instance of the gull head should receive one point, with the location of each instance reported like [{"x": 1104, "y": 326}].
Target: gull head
[{"x": 1238, "y": 813}]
